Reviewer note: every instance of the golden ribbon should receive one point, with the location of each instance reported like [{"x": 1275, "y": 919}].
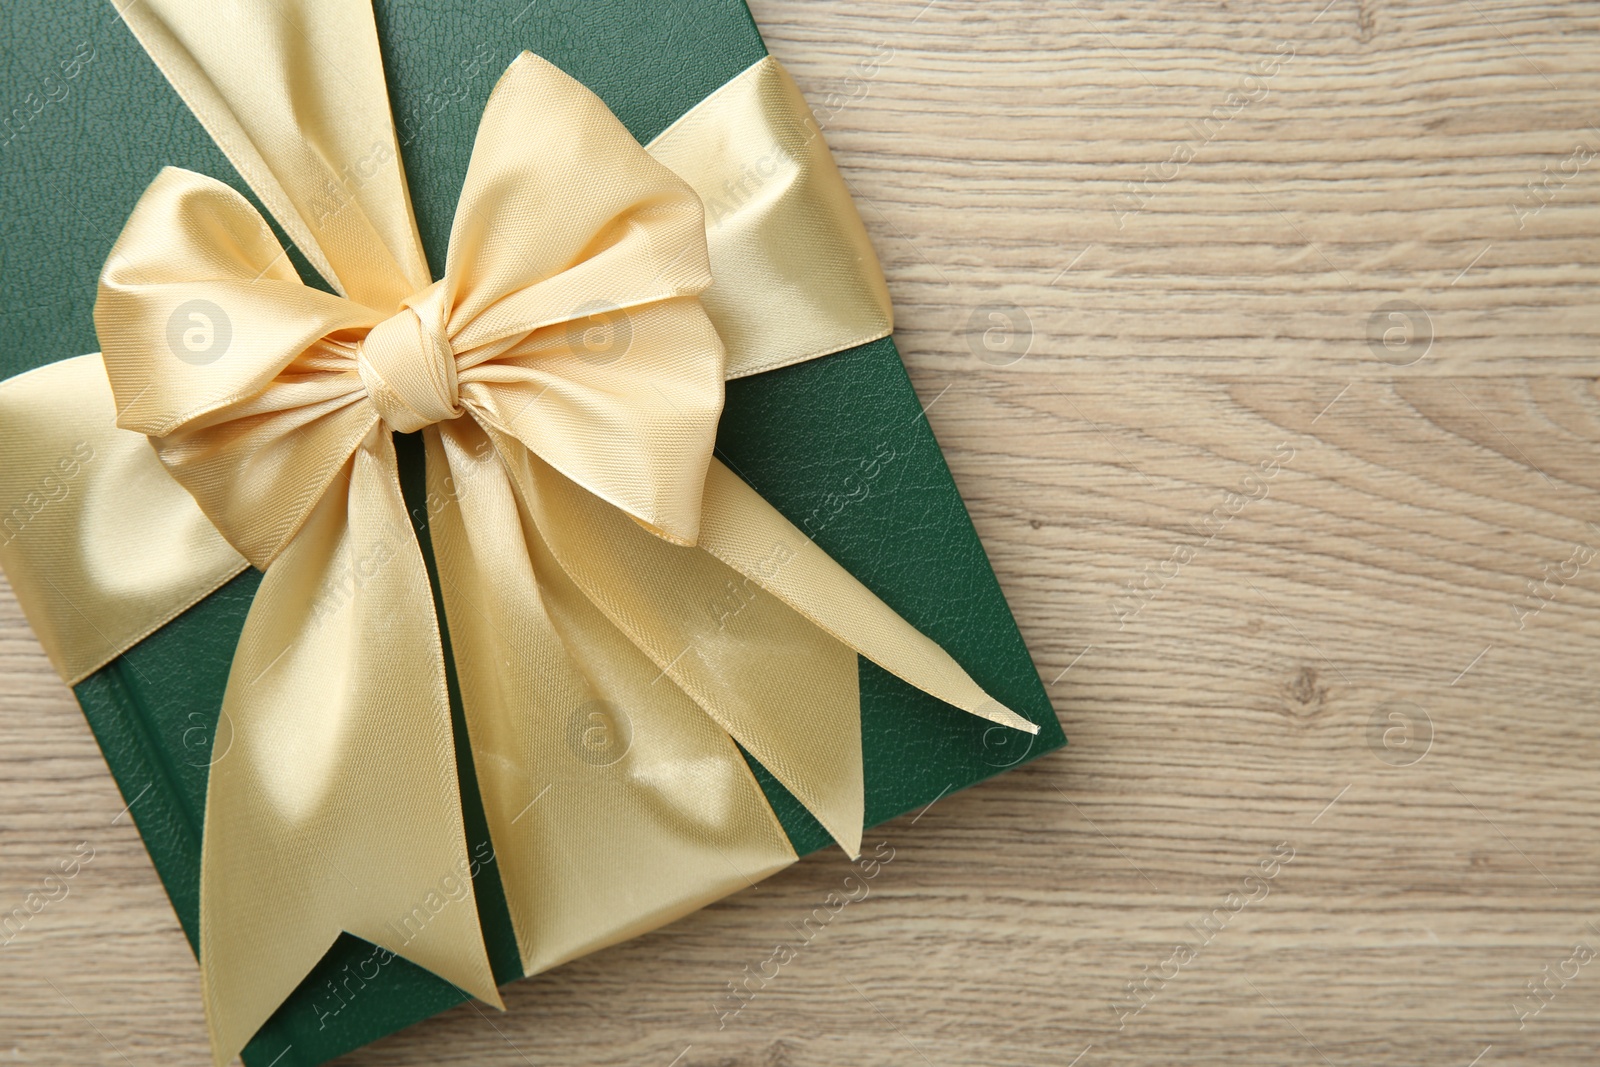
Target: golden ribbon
[{"x": 567, "y": 373}]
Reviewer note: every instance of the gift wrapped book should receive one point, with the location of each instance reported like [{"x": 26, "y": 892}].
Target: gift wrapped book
[{"x": 491, "y": 520}]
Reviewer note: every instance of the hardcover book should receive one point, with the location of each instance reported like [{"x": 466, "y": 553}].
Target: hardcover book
[{"x": 840, "y": 444}]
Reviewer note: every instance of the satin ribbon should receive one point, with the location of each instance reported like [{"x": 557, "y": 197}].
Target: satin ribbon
[{"x": 567, "y": 375}]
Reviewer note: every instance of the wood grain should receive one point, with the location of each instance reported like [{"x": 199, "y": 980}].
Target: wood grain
[{"x": 1342, "y": 659}]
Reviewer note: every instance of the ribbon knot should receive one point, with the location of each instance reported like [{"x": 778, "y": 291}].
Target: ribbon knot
[{"x": 408, "y": 366}]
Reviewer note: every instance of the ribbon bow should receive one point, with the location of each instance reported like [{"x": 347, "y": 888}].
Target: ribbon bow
[{"x": 567, "y": 381}]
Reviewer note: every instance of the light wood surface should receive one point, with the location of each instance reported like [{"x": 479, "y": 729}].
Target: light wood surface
[{"x": 1442, "y": 860}]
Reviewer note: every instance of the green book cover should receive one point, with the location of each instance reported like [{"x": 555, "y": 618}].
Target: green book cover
[{"x": 840, "y": 445}]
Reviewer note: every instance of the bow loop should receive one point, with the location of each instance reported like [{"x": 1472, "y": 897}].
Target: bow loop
[
  {"x": 575, "y": 266},
  {"x": 241, "y": 376}
]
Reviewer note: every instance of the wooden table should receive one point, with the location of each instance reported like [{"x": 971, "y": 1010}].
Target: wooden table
[{"x": 1262, "y": 341}]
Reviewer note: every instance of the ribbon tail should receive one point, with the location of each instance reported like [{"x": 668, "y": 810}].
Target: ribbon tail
[
  {"x": 615, "y": 805},
  {"x": 784, "y": 689},
  {"x": 335, "y": 806},
  {"x": 744, "y": 531}
]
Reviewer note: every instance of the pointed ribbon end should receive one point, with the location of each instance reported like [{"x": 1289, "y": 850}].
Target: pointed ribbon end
[
  {"x": 996, "y": 712},
  {"x": 850, "y": 841}
]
